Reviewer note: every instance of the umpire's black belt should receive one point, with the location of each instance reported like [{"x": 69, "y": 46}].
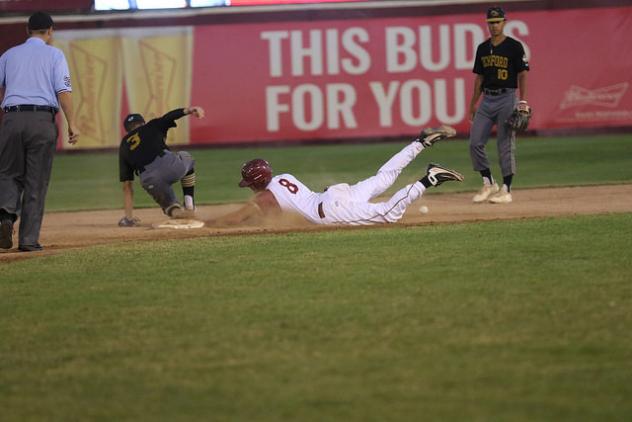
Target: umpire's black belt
[
  {"x": 29, "y": 107},
  {"x": 498, "y": 91}
]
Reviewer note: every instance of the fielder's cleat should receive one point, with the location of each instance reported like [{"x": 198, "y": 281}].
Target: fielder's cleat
[
  {"x": 431, "y": 135},
  {"x": 485, "y": 192},
  {"x": 179, "y": 213},
  {"x": 501, "y": 197},
  {"x": 437, "y": 174},
  {"x": 6, "y": 234}
]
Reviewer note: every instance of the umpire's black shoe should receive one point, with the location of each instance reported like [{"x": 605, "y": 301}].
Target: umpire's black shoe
[
  {"x": 6, "y": 234},
  {"x": 432, "y": 135},
  {"x": 436, "y": 174},
  {"x": 30, "y": 248}
]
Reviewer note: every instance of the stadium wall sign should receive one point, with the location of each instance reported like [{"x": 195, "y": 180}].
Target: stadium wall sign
[{"x": 337, "y": 79}]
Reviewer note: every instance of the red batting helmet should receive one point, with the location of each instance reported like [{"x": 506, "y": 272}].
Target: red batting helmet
[{"x": 256, "y": 174}]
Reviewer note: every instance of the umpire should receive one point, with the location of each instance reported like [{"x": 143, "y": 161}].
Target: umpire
[
  {"x": 501, "y": 66},
  {"x": 34, "y": 82}
]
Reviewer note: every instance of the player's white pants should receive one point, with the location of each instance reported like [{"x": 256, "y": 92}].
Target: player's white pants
[{"x": 344, "y": 204}]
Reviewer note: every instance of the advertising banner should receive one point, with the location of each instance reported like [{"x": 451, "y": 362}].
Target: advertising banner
[
  {"x": 96, "y": 68},
  {"x": 114, "y": 72},
  {"x": 386, "y": 77},
  {"x": 358, "y": 78},
  {"x": 157, "y": 67}
]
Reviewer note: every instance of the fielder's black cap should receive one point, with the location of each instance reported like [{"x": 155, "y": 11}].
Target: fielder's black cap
[
  {"x": 495, "y": 14},
  {"x": 40, "y": 20},
  {"x": 132, "y": 118}
]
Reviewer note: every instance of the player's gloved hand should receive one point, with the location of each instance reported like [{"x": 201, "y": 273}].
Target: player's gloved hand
[
  {"x": 519, "y": 119},
  {"x": 129, "y": 222}
]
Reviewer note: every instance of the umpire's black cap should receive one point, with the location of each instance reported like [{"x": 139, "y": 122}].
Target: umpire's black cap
[
  {"x": 131, "y": 119},
  {"x": 495, "y": 14},
  {"x": 39, "y": 21}
]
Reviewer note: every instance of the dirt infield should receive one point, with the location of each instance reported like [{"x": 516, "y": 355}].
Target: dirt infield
[{"x": 66, "y": 230}]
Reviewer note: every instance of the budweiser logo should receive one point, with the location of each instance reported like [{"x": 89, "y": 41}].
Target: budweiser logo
[
  {"x": 91, "y": 71},
  {"x": 160, "y": 70},
  {"x": 609, "y": 96}
]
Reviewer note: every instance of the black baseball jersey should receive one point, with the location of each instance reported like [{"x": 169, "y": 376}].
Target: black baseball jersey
[
  {"x": 501, "y": 64},
  {"x": 142, "y": 145}
]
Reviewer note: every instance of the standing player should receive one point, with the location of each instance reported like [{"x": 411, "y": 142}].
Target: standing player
[
  {"x": 500, "y": 66},
  {"x": 143, "y": 151},
  {"x": 342, "y": 203}
]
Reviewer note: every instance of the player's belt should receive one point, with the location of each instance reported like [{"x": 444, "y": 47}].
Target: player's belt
[
  {"x": 29, "y": 107},
  {"x": 321, "y": 213},
  {"x": 495, "y": 91},
  {"x": 141, "y": 169}
]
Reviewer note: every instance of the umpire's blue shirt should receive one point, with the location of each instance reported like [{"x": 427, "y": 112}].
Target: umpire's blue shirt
[{"x": 33, "y": 73}]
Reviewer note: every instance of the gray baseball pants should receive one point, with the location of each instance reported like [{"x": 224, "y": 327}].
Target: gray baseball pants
[
  {"x": 494, "y": 110},
  {"x": 27, "y": 146},
  {"x": 164, "y": 171}
]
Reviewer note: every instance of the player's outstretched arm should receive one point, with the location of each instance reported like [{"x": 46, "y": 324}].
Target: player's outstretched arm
[
  {"x": 234, "y": 218},
  {"x": 262, "y": 204},
  {"x": 168, "y": 119}
]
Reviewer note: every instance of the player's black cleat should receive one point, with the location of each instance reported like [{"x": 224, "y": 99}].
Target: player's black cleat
[
  {"x": 6, "y": 234},
  {"x": 436, "y": 174},
  {"x": 430, "y": 135}
]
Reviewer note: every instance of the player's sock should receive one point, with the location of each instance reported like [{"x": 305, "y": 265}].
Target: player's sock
[
  {"x": 188, "y": 190},
  {"x": 487, "y": 177},
  {"x": 507, "y": 182},
  {"x": 189, "y": 204},
  {"x": 424, "y": 181}
]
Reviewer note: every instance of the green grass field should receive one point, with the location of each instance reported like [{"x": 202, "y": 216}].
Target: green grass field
[
  {"x": 514, "y": 321},
  {"x": 90, "y": 181},
  {"x": 498, "y": 321}
]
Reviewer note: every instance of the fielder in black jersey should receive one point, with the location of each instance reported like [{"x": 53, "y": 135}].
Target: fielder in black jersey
[
  {"x": 143, "y": 152},
  {"x": 501, "y": 67}
]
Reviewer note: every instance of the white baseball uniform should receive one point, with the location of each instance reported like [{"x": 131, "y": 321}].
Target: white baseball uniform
[{"x": 349, "y": 204}]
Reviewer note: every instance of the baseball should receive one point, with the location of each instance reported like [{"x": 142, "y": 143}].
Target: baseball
[{"x": 423, "y": 209}]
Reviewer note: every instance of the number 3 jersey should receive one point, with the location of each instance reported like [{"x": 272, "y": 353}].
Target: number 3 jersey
[
  {"x": 294, "y": 196},
  {"x": 501, "y": 64},
  {"x": 142, "y": 145}
]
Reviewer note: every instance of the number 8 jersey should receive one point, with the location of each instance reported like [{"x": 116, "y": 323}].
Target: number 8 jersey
[{"x": 294, "y": 196}]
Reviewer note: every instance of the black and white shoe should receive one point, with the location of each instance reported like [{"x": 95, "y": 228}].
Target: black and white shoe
[
  {"x": 437, "y": 174},
  {"x": 431, "y": 135}
]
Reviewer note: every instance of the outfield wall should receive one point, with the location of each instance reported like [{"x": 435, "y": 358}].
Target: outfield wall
[{"x": 344, "y": 75}]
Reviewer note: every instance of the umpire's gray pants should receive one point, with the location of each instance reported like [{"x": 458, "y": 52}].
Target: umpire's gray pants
[
  {"x": 494, "y": 110},
  {"x": 164, "y": 171},
  {"x": 27, "y": 146}
]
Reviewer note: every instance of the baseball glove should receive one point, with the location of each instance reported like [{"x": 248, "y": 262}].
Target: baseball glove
[
  {"x": 519, "y": 119},
  {"x": 129, "y": 222}
]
